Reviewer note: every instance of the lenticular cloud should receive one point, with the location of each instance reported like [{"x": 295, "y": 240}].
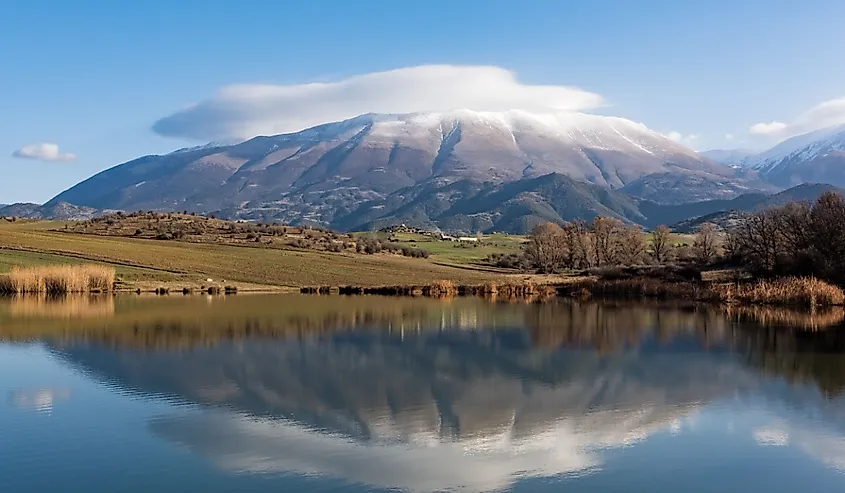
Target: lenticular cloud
[{"x": 246, "y": 110}]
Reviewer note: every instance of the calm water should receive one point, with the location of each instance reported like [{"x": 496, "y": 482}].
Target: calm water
[{"x": 328, "y": 394}]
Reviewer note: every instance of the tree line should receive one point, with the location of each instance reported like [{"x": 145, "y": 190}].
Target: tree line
[
  {"x": 608, "y": 242},
  {"x": 795, "y": 239},
  {"x": 799, "y": 238}
]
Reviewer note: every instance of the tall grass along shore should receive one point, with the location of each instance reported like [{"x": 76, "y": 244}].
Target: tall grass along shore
[
  {"x": 58, "y": 279},
  {"x": 790, "y": 291}
]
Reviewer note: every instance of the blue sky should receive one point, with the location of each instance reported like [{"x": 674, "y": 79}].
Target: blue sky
[{"x": 94, "y": 77}]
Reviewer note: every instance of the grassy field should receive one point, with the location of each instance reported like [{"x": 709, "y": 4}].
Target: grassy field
[{"x": 145, "y": 262}]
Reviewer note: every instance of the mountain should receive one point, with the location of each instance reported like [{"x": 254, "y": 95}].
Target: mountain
[
  {"x": 730, "y": 157},
  {"x": 814, "y": 157},
  {"x": 724, "y": 213},
  {"x": 514, "y": 206},
  {"x": 375, "y": 168},
  {"x": 58, "y": 210}
]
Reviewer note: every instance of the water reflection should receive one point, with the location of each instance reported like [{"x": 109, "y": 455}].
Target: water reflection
[
  {"x": 424, "y": 395},
  {"x": 38, "y": 400}
]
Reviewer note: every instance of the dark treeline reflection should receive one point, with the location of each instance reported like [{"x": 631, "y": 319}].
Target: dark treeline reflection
[{"x": 799, "y": 346}]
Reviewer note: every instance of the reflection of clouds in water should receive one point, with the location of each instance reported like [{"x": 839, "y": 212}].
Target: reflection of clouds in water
[
  {"x": 823, "y": 444},
  {"x": 38, "y": 400},
  {"x": 570, "y": 445},
  {"x": 771, "y": 437}
]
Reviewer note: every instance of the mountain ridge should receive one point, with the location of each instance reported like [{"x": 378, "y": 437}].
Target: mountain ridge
[
  {"x": 324, "y": 175},
  {"x": 813, "y": 157}
]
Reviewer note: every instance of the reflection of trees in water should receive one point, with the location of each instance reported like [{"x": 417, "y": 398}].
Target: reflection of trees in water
[
  {"x": 816, "y": 357},
  {"x": 615, "y": 326},
  {"x": 800, "y": 346}
]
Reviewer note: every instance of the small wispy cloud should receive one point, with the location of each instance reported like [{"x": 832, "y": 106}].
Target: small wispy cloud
[
  {"x": 246, "y": 110},
  {"x": 44, "y": 151},
  {"x": 767, "y": 128},
  {"x": 688, "y": 140},
  {"x": 823, "y": 115}
]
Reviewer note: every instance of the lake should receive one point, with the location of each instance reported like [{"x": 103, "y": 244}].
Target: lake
[{"x": 277, "y": 393}]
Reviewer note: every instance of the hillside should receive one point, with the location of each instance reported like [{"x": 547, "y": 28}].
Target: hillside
[
  {"x": 513, "y": 207},
  {"x": 148, "y": 263},
  {"x": 57, "y": 210},
  {"x": 686, "y": 214},
  {"x": 361, "y": 171}
]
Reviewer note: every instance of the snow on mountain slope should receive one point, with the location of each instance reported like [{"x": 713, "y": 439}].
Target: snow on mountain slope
[
  {"x": 815, "y": 157},
  {"x": 328, "y": 171},
  {"x": 801, "y": 147}
]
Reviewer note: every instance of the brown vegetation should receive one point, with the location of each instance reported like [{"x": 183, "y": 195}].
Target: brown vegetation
[
  {"x": 798, "y": 291},
  {"x": 61, "y": 279},
  {"x": 199, "y": 229},
  {"x": 790, "y": 291},
  {"x": 577, "y": 245},
  {"x": 798, "y": 239}
]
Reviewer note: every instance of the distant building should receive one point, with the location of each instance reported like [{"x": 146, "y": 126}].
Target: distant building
[{"x": 469, "y": 239}]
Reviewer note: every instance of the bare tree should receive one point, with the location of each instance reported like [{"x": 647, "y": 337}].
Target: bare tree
[
  {"x": 757, "y": 239},
  {"x": 607, "y": 240},
  {"x": 576, "y": 237},
  {"x": 632, "y": 247},
  {"x": 661, "y": 243},
  {"x": 706, "y": 243},
  {"x": 546, "y": 248},
  {"x": 828, "y": 235}
]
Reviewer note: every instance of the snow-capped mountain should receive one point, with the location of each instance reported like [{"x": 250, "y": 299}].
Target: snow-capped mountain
[
  {"x": 802, "y": 147},
  {"x": 815, "y": 157},
  {"x": 375, "y": 162}
]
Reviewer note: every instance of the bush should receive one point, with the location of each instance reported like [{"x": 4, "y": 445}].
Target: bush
[
  {"x": 508, "y": 261},
  {"x": 670, "y": 272}
]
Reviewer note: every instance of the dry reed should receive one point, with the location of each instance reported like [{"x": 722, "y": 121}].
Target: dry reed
[
  {"x": 58, "y": 279},
  {"x": 796, "y": 291}
]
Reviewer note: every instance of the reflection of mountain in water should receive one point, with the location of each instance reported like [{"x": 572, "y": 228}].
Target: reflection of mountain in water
[{"x": 434, "y": 409}]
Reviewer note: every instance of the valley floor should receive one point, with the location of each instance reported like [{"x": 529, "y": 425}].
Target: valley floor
[{"x": 147, "y": 263}]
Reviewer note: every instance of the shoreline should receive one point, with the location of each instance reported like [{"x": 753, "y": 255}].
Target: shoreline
[{"x": 781, "y": 292}]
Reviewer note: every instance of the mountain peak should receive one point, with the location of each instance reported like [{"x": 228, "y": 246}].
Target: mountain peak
[{"x": 379, "y": 166}]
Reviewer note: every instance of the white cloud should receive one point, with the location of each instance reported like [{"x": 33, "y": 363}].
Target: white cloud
[
  {"x": 729, "y": 137},
  {"x": 688, "y": 140},
  {"x": 674, "y": 136},
  {"x": 826, "y": 114},
  {"x": 767, "y": 128},
  {"x": 43, "y": 151},
  {"x": 246, "y": 110}
]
